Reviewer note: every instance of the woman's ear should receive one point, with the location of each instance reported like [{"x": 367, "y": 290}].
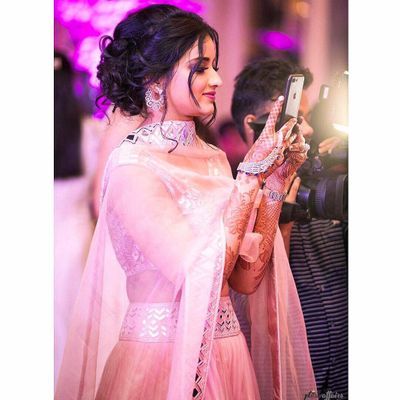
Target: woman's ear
[{"x": 248, "y": 130}]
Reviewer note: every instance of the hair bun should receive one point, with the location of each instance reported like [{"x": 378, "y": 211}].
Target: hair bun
[
  {"x": 119, "y": 46},
  {"x": 145, "y": 47}
]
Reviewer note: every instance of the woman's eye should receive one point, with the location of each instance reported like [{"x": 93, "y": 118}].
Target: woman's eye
[{"x": 200, "y": 70}]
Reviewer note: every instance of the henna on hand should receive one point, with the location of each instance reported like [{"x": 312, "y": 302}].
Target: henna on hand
[
  {"x": 270, "y": 141},
  {"x": 236, "y": 218},
  {"x": 295, "y": 157},
  {"x": 246, "y": 276}
]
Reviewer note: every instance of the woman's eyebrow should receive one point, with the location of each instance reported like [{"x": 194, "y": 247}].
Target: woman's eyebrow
[{"x": 199, "y": 59}]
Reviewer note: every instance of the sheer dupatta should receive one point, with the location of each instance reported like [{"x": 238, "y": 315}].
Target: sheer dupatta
[
  {"x": 159, "y": 238},
  {"x": 272, "y": 320},
  {"x": 279, "y": 346}
]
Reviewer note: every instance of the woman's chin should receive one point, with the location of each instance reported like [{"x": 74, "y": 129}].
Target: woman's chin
[{"x": 206, "y": 109}]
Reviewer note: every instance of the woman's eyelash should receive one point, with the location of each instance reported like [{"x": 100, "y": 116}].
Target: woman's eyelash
[{"x": 202, "y": 69}]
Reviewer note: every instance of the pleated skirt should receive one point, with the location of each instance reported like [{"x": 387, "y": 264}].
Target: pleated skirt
[{"x": 140, "y": 371}]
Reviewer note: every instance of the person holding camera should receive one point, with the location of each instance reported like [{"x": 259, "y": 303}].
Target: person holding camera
[{"x": 316, "y": 247}]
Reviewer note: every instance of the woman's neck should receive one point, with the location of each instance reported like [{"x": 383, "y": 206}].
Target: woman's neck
[
  {"x": 167, "y": 132},
  {"x": 158, "y": 116}
]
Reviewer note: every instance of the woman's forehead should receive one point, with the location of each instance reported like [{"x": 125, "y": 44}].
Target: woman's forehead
[{"x": 209, "y": 50}]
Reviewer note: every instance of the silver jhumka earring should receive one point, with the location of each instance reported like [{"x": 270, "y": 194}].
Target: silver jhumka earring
[{"x": 151, "y": 102}]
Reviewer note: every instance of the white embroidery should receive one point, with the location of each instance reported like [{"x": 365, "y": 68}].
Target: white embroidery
[{"x": 157, "y": 322}]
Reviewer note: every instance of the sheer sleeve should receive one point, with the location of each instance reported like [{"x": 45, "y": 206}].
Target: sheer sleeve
[
  {"x": 152, "y": 217},
  {"x": 171, "y": 207}
]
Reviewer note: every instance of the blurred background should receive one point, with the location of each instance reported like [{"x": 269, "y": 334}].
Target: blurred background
[{"x": 313, "y": 33}]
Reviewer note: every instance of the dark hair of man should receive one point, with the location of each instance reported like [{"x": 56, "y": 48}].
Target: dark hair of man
[
  {"x": 260, "y": 81},
  {"x": 67, "y": 121},
  {"x": 225, "y": 127},
  {"x": 145, "y": 48}
]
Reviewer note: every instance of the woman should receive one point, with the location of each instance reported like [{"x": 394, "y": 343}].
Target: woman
[{"x": 153, "y": 317}]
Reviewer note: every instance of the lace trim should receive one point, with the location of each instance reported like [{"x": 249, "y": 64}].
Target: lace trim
[
  {"x": 167, "y": 134},
  {"x": 150, "y": 322},
  {"x": 126, "y": 250},
  {"x": 157, "y": 322},
  {"x": 227, "y": 322},
  {"x": 206, "y": 345}
]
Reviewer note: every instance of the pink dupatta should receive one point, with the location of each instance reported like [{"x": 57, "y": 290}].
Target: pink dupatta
[
  {"x": 273, "y": 318},
  {"x": 169, "y": 208},
  {"x": 279, "y": 346},
  {"x": 165, "y": 212}
]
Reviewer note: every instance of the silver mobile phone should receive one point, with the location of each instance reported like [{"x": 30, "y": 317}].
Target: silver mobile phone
[{"x": 291, "y": 105}]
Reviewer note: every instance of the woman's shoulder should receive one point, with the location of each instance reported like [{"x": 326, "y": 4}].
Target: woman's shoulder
[{"x": 128, "y": 152}]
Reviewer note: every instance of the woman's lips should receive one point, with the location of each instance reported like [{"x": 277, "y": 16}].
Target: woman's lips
[{"x": 210, "y": 95}]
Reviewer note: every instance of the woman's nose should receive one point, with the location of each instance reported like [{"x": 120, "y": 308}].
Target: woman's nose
[{"x": 215, "y": 79}]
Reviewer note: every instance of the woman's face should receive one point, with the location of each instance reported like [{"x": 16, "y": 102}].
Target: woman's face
[{"x": 205, "y": 81}]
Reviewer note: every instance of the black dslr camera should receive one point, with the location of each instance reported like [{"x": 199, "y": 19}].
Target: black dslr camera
[
  {"x": 324, "y": 181},
  {"x": 323, "y": 190}
]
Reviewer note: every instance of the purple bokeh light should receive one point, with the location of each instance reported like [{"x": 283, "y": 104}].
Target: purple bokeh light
[
  {"x": 87, "y": 20},
  {"x": 278, "y": 41}
]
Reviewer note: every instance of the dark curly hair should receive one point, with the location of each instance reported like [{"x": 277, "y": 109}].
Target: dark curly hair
[
  {"x": 260, "y": 81},
  {"x": 145, "y": 47}
]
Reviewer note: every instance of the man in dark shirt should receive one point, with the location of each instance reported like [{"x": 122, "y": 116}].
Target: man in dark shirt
[{"x": 317, "y": 248}]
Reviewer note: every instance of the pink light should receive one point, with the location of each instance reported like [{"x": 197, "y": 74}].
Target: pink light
[
  {"x": 88, "y": 20},
  {"x": 186, "y": 5},
  {"x": 277, "y": 40},
  {"x": 87, "y": 57}
]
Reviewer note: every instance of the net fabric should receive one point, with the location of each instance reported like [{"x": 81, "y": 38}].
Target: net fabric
[
  {"x": 169, "y": 210},
  {"x": 279, "y": 345},
  {"x": 273, "y": 323},
  {"x": 160, "y": 239}
]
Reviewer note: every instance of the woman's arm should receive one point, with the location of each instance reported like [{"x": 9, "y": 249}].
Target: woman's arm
[
  {"x": 270, "y": 145},
  {"x": 246, "y": 276},
  {"x": 237, "y": 217}
]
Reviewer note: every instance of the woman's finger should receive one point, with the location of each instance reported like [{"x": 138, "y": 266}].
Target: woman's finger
[
  {"x": 299, "y": 138},
  {"x": 273, "y": 115},
  {"x": 299, "y": 147},
  {"x": 286, "y": 129},
  {"x": 292, "y": 138}
]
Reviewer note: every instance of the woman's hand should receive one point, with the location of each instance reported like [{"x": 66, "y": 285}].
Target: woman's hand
[
  {"x": 270, "y": 144},
  {"x": 295, "y": 156}
]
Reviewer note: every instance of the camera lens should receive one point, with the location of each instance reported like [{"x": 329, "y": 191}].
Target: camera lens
[{"x": 330, "y": 201}]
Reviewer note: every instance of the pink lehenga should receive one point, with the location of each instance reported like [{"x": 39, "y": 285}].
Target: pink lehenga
[{"x": 149, "y": 322}]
